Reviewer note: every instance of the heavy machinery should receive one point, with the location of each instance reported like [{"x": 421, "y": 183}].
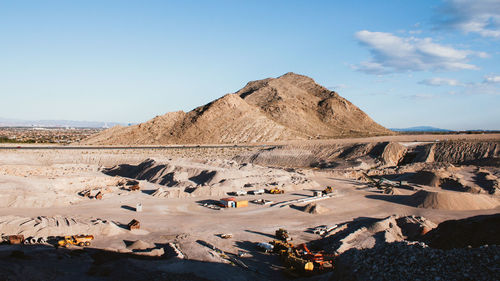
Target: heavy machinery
[
  {"x": 80, "y": 240},
  {"x": 327, "y": 190},
  {"x": 387, "y": 186},
  {"x": 320, "y": 260},
  {"x": 282, "y": 235},
  {"x": 276, "y": 190},
  {"x": 299, "y": 259}
]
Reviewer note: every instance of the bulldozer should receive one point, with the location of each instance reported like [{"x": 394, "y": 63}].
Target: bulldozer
[
  {"x": 276, "y": 190},
  {"x": 79, "y": 240}
]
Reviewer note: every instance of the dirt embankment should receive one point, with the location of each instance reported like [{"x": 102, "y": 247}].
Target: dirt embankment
[
  {"x": 189, "y": 178},
  {"x": 375, "y": 154}
]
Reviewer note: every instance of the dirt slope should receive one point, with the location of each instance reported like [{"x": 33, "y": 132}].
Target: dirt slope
[{"x": 289, "y": 107}]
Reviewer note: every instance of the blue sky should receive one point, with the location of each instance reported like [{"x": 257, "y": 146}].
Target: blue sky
[{"x": 405, "y": 63}]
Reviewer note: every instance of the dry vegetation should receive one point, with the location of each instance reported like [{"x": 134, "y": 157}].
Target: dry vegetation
[{"x": 44, "y": 135}]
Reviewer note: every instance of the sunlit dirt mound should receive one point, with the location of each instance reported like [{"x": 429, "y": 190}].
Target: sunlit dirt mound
[
  {"x": 449, "y": 200},
  {"x": 363, "y": 233},
  {"x": 289, "y": 107},
  {"x": 315, "y": 209},
  {"x": 56, "y": 226},
  {"x": 189, "y": 178}
]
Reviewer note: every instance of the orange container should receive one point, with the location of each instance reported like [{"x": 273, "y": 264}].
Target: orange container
[{"x": 240, "y": 204}]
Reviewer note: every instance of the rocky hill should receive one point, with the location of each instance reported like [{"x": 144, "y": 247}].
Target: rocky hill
[{"x": 289, "y": 107}]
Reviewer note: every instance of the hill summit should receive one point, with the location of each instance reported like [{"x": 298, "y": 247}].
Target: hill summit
[{"x": 289, "y": 107}]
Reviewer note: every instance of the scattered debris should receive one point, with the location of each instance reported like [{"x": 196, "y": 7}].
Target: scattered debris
[
  {"x": 262, "y": 201},
  {"x": 177, "y": 250},
  {"x": 15, "y": 239},
  {"x": 99, "y": 196},
  {"x": 160, "y": 192},
  {"x": 134, "y": 224},
  {"x": 134, "y": 187},
  {"x": 138, "y": 207},
  {"x": 324, "y": 230},
  {"x": 211, "y": 206},
  {"x": 266, "y": 247},
  {"x": 226, "y": 235}
]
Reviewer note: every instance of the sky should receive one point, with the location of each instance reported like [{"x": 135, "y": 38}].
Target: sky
[{"x": 405, "y": 63}]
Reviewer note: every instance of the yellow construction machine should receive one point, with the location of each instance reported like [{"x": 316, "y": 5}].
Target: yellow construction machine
[
  {"x": 299, "y": 259},
  {"x": 276, "y": 190},
  {"x": 327, "y": 190},
  {"x": 79, "y": 240}
]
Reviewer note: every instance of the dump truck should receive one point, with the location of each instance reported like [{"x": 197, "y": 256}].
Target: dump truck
[
  {"x": 79, "y": 240},
  {"x": 276, "y": 190}
]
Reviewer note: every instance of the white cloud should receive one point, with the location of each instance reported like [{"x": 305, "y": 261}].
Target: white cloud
[
  {"x": 391, "y": 53},
  {"x": 492, "y": 79},
  {"x": 422, "y": 96},
  {"x": 472, "y": 16},
  {"x": 437, "y": 81},
  {"x": 489, "y": 86}
]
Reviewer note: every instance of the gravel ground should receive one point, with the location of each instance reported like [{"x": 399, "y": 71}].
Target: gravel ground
[{"x": 416, "y": 261}]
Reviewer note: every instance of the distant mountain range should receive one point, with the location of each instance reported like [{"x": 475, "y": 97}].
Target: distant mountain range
[
  {"x": 420, "y": 129},
  {"x": 4, "y": 122}
]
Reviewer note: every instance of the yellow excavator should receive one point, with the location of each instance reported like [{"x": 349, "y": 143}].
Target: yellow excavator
[{"x": 79, "y": 240}]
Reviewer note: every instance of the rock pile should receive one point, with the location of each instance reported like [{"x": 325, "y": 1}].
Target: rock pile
[{"x": 416, "y": 261}]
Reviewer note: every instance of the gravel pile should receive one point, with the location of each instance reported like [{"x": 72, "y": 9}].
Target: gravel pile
[{"x": 416, "y": 261}]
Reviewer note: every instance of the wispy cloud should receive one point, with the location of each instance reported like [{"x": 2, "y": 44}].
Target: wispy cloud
[
  {"x": 492, "y": 79},
  {"x": 391, "y": 53},
  {"x": 437, "y": 81},
  {"x": 338, "y": 87},
  {"x": 490, "y": 85},
  {"x": 421, "y": 96},
  {"x": 471, "y": 16}
]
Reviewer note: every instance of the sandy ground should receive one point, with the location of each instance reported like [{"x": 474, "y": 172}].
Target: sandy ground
[{"x": 46, "y": 183}]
